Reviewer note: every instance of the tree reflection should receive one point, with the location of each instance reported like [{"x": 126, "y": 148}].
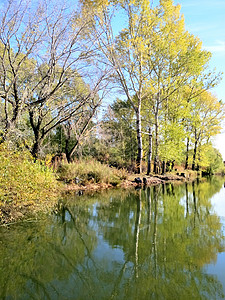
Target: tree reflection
[{"x": 143, "y": 244}]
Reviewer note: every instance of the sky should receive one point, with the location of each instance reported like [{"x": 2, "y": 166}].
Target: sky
[{"x": 206, "y": 19}]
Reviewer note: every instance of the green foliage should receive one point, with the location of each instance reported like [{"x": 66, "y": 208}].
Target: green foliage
[
  {"x": 90, "y": 171},
  {"x": 172, "y": 144},
  {"x": 215, "y": 161},
  {"x": 118, "y": 134},
  {"x": 22, "y": 181}
]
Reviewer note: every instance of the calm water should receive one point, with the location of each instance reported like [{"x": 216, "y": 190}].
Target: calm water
[{"x": 165, "y": 242}]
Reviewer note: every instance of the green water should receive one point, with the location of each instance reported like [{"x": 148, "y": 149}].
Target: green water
[{"x": 164, "y": 242}]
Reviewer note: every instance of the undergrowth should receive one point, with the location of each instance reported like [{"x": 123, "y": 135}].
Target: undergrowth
[
  {"x": 24, "y": 183},
  {"x": 90, "y": 171}
]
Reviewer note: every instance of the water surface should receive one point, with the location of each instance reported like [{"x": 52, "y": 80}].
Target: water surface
[{"x": 164, "y": 242}]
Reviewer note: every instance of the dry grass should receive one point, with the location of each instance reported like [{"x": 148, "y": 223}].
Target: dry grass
[{"x": 90, "y": 171}]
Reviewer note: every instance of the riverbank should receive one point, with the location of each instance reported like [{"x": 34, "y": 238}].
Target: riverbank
[{"x": 131, "y": 182}]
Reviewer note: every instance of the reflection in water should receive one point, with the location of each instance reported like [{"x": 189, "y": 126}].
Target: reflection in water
[{"x": 144, "y": 244}]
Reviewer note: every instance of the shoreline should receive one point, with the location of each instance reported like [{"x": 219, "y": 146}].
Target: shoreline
[
  {"x": 129, "y": 182},
  {"x": 11, "y": 213}
]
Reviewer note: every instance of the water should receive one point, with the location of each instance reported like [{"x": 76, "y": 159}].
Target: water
[{"x": 164, "y": 242}]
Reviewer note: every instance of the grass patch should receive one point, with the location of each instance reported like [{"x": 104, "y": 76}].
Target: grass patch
[{"x": 90, "y": 171}]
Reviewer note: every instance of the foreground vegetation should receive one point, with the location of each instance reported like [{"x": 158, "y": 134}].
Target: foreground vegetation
[
  {"x": 28, "y": 187},
  {"x": 25, "y": 187}
]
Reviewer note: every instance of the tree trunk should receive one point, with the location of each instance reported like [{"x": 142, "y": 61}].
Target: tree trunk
[
  {"x": 149, "y": 151},
  {"x": 194, "y": 156},
  {"x": 10, "y": 124},
  {"x": 67, "y": 152},
  {"x": 163, "y": 167},
  {"x": 187, "y": 155},
  {"x": 156, "y": 169},
  {"x": 139, "y": 139},
  {"x": 156, "y": 161},
  {"x": 36, "y": 147},
  {"x": 35, "y": 151}
]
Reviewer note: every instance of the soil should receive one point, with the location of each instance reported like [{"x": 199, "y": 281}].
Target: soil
[{"x": 129, "y": 182}]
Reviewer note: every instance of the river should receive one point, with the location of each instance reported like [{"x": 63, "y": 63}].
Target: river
[{"x": 162, "y": 242}]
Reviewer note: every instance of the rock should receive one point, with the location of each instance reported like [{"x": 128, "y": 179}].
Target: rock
[
  {"x": 138, "y": 180},
  {"x": 76, "y": 180},
  {"x": 79, "y": 193}
]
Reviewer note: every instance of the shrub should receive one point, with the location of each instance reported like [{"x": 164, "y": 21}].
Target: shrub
[{"x": 22, "y": 180}]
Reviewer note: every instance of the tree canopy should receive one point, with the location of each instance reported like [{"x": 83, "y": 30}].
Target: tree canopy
[{"x": 58, "y": 64}]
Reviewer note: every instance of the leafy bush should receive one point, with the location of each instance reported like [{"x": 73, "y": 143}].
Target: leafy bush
[
  {"x": 90, "y": 171},
  {"x": 22, "y": 180}
]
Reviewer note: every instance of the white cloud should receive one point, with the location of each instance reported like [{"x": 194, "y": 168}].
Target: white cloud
[
  {"x": 219, "y": 47},
  {"x": 195, "y": 3}
]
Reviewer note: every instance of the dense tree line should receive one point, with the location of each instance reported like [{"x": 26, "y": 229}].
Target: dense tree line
[{"x": 59, "y": 63}]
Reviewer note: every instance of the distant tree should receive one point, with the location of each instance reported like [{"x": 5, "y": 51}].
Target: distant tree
[
  {"x": 118, "y": 133},
  {"x": 207, "y": 115}
]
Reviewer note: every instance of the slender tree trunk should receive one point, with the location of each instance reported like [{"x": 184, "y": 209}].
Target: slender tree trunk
[
  {"x": 67, "y": 152},
  {"x": 139, "y": 139},
  {"x": 132, "y": 155},
  {"x": 67, "y": 131},
  {"x": 163, "y": 167},
  {"x": 35, "y": 151},
  {"x": 194, "y": 155},
  {"x": 149, "y": 151},
  {"x": 36, "y": 147},
  {"x": 187, "y": 154},
  {"x": 156, "y": 161},
  {"x": 10, "y": 123},
  {"x": 6, "y": 121}
]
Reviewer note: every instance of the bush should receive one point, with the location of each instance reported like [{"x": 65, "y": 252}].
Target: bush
[
  {"x": 90, "y": 171},
  {"x": 22, "y": 180}
]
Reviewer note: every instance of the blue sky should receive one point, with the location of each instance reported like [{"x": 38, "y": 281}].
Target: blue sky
[{"x": 206, "y": 19}]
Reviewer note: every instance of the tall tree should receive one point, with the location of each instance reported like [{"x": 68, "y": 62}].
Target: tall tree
[
  {"x": 42, "y": 46},
  {"x": 175, "y": 59},
  {"x": 125, "y": 54},
  {"x": 73, "y": 102},
  {"x": 153, "y": 56}
]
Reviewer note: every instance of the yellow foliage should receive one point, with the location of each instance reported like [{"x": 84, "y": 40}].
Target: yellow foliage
[{"x": 22, "y": 180}]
